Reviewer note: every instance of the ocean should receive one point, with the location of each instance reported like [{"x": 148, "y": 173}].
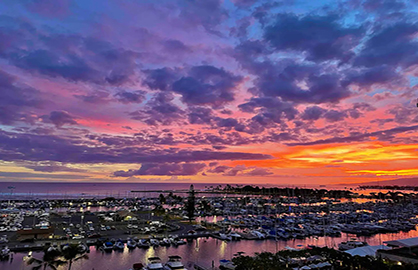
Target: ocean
[{"x": 60, "y": 190}]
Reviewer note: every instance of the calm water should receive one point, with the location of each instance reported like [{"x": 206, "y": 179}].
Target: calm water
[
  {"x": 34, "y": 190},
  {"x": 201, "y": 251},
  {"x": 59, "y": 190}
]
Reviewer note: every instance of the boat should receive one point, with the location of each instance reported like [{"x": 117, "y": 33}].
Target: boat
[
  {"x": 225, "y": 237},
  {"x": 165, "y": 242},
  {"x": 351, "y": 244},
  {"x": 226, "y": 264},
  {"x": 119, "y": 245},
  {"x": 154, "y": 263},
  {"x": 174, "y": 263},
  {"x": 258, "y": 234},
  {"x": 131, "y": 244},
  {"x": 235, "y": 236},
  {"x": 4, "y": 253},
  {"x": 82, "y": 248},
  {"x": 143, "y": 243},
  {"x": 107, "y": 246},
  {"x": 154, "y": 242}
]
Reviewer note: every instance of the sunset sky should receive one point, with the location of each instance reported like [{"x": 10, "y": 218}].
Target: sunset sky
[{"x": 235, "y": 91}]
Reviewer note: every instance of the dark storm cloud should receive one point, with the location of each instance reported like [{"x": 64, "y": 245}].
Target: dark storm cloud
[
  {"x": 321, "y": 37},
  {"x": 382, "y": 135},
  {"x": 163, "y": 169}
]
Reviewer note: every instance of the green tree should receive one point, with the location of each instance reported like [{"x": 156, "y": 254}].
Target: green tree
[{"x": 190, "y": 204}]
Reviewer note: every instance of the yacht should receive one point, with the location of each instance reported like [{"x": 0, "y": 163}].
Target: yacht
[
  {"x": 119, "y": 245},
  {"x": 131, "y": 244},
  {"x": 154, "y": 242},
  {"x": 165, "y": 242},
  {"x": 154, "y": 263},
  {"x": 4, "y": 253},
  {"x": 82, "y": 248},
  {"x": 107, "y": 246},
  {"x": 225, "y": 237},
  {"x": 258, "y": 234},
  {"x": 174, "y": 263},
  {"x": 143, "y": 243},
  {"x": 351, "y": 244}
]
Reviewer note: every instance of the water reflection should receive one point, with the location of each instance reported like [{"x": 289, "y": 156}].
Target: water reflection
[{"x": 201, "y": 252}]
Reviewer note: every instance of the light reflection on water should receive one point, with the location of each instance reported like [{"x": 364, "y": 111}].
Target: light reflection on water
[{"x": 202, "y": 252}]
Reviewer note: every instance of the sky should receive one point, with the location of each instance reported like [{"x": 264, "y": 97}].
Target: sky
[{"x": 214, "y": 91}]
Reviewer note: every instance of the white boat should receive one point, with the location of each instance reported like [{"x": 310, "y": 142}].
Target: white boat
[
  {"x": 4, "y": 253},
  {"x": 154, "y": 242},
  {"x": 258, "y": 234},
  {"x": 174, "y": 263},
  {"x": 82, "y": 248},
  {"x": 154, "y": 264},
  {"x": 225, "y": 237},
  {"x": 165, "y": 242},
  {"x": 131, "y": 244},
  {"x": 235, "y": 236},
  {"x": 351, "y": 244},
  {"x": 107, "y": 246},
  {"x": 143, "y": 243},
  {"x": 119, "y": 245},
  {"x": 181, "y": 242}
]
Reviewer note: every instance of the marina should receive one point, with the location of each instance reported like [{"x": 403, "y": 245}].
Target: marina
[{"x": 132, "y": 230}]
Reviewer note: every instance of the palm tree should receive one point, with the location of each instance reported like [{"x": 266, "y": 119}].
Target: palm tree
[
  {"x": 50, "y": 259},
  {"x": 71, "y": 254}
]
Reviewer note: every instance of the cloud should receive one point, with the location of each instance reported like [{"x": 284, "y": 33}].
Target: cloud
[
  {"x": 164, "y": 169},
  {"x": 59, "y": 118},
  {"x": 25, "y": 175},
  {"x": 51, "y": 167},
  {"x": 16, "y": 100},
  {"x": 321, "y": 37},
  {"x": 313, "y": 113},
  {"x": 393, "y": 45},
  {"x": 159, "y": 110},
  {"x": 130, "y": 97},
  {"x": 31, "y": 147},
  {"x": 240, "y": 170},
  {"x": 382, "y": 135},
  {"x": 200, "y": 85}
]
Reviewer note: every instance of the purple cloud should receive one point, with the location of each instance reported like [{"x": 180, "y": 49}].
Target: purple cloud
[{"x": 164, "y": 169}]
